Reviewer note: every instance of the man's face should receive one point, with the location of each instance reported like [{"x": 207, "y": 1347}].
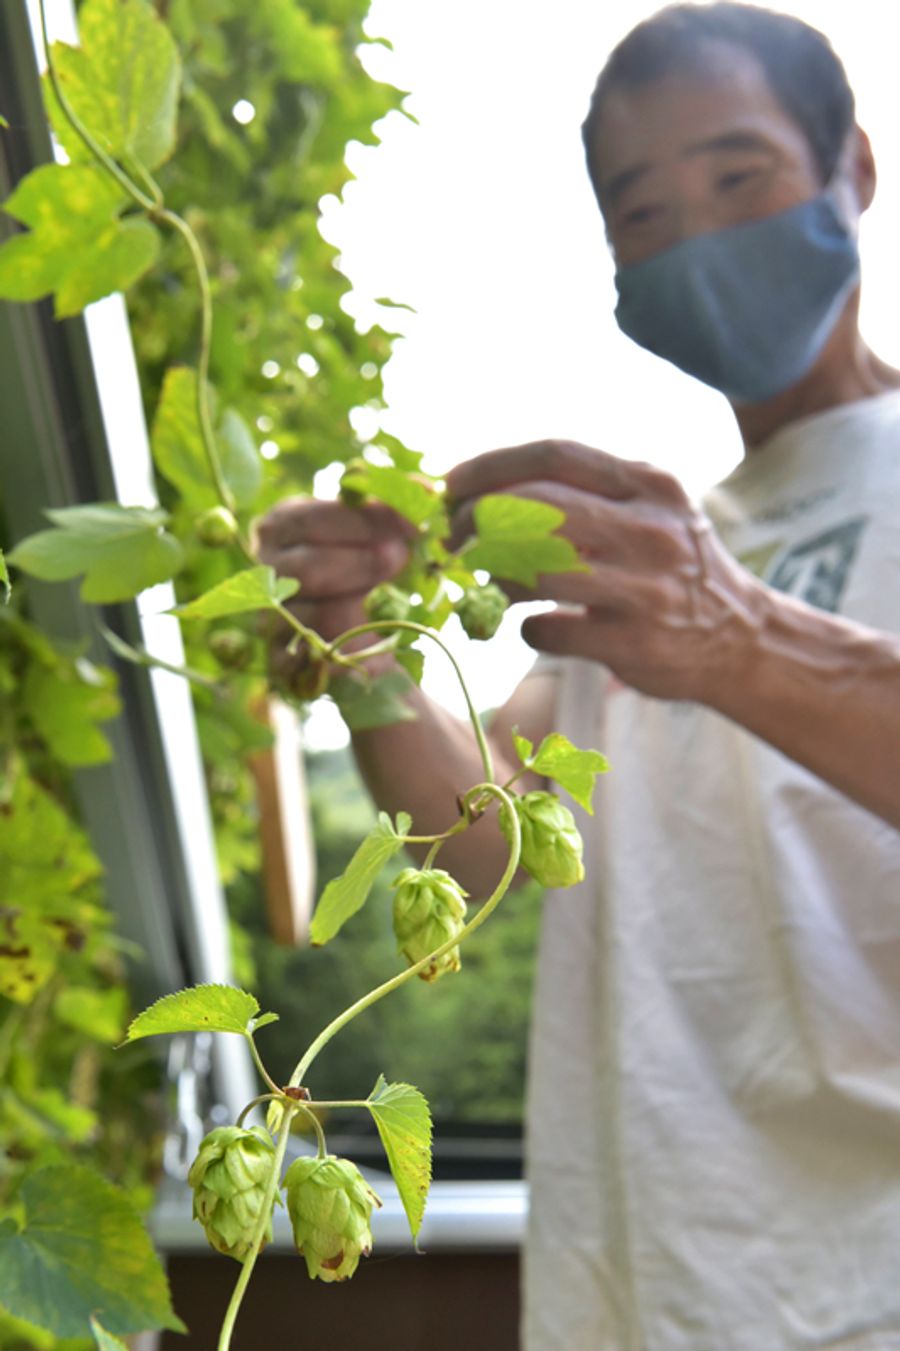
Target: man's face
[{"x": 691, "y": 154}]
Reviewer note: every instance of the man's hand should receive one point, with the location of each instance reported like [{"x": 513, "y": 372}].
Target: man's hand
[
  {"x": 664, "y": 605},
  {"x": 337, "y": 554}
]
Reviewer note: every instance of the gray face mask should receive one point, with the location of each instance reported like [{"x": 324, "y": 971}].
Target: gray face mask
[{"x": 748, "y": 309}]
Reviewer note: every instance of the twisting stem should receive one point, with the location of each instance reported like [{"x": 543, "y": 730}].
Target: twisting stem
[
  {"x": 262, "y": 1225},
  {"x": 257, "y": 1102},
  {"x": 493, "y": 790},
  {"x": 380, "y": 625},
  {"x": 204, "y": 414},
  {"x": 105, "y": 161},
  {"x": 320, "y": 1134}
]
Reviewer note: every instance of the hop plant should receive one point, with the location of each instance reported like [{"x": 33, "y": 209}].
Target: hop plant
[
  {"x": 330, "y": 1208},
  {"x": 387, "y": 601},
  {"x": 480, "y": 609},
  {"x": 551, "y": 845},
  {"x": 429, "y": 908},
  {"x": 229, "y": 1177}
]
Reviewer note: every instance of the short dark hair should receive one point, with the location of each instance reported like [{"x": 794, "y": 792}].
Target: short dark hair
[{"x": 799, "y": 63}]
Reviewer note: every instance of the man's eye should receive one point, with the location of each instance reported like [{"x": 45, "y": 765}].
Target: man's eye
[
  {"x": 640, "y": 215},
  {"x": 737, "y": 178}
]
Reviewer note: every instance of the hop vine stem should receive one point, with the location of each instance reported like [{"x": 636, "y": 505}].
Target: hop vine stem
[
  {"x": 243, "y": 1280},
  {"x": 496, "y": 896}
]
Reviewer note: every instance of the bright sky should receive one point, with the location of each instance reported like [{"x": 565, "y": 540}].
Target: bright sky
[{"x": 481, "y": 218}]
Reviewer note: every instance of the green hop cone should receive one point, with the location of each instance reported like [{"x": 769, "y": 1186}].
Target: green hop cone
[
  {"x": 480, "y": 609},
  {"x": 330, "y": 1207},
  {"x": 232, "y": 648},
  {"x": 229, "y": 1177},
  {"x": 387, "y": 601},
  {"x": 429, "y": 909},
  {"x": 216, "y": 527},
  {"x": 551, "y": 844}
]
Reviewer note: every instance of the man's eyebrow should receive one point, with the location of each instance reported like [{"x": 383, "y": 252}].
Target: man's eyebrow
[{"x": 729, "y": 140}]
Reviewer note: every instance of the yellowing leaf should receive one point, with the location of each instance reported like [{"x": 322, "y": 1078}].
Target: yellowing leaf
[
  {"x": 202, "y": 1008},
  {"x": 65, "y": 708},
  {"x": 404, "y": 1124},
  {"x": 122, "y": 82},
  {"x": 253, "y": 589},
  {"x": 77, "y": 247},
  {"x": 81, "y": 1252},
  {"x": 515, "y": 539},
  {"x": 348, "y": 893}
]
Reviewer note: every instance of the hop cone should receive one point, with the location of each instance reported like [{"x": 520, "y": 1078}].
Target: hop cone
[
  {"x": 480, "y": 609},
  {"x": 387, "y": 601},
  {"x": 551, "y": 844},
  {"x": 330, "y": 1206},
  {"x": 229, "y": 1177},
  {"x": 428, "y": 909}
]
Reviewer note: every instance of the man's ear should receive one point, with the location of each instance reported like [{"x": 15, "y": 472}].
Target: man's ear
[{"x": 862, "y": 167}]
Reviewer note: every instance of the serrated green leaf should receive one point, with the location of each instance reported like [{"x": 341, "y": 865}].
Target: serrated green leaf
[
  {"x": 105, "y": 1340},
  {"x": 178, "y": 450},
  {"x": 4, "y": 578},
  {"x": 253, "y": 589},
  {"x": 410, "y": 497},
  {"x": 202, "y": 1008},
  {"x": 347, "y": 894},
  {"x": 120, "y": 550},
  {"x": 572, "y": 769},
  {"x": 77, "y": 247},
  {"x": 81, "y": 1252},
  {"x": 368, "y": 703},
  {"x": 65, "y": 708},
  {"x": 515, "y": 539},
  {"x": 122, "y": 82},
  {"x": 404, "y": 1123}
]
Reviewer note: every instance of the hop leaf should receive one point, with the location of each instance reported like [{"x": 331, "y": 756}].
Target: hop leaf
[
  {"x": 330, "y": 1206},
  {"x": 429, "y": 909},
  {"x": 229, "y": 1177},
  {"x": 480, "y": 610},
  {"x": 551, "y": 845}
]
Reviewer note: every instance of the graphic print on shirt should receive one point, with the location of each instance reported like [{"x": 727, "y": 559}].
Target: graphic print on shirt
[{"x": 815, "y": 571}]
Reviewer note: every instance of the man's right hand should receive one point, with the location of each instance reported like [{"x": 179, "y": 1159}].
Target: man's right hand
[{"x": 337, "y": 554}]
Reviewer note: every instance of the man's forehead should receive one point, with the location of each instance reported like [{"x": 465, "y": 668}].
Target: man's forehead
[{"x": 725, "y": 96}]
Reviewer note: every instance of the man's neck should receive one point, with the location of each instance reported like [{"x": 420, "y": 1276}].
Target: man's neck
[{"x": 845, "y": 373}]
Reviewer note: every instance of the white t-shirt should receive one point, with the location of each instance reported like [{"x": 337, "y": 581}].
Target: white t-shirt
[{"x": 714, "y": 1098}]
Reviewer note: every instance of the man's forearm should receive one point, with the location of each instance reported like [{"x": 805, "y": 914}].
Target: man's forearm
[{"x": 826, "y": 692}]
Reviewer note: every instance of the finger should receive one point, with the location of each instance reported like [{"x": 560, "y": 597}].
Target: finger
[
  {"x": 326, "y": 573},
  {"x": 567, "y": 633},
  {"x": 563, "y": 461},
  {"x": 303, "y": 520}
]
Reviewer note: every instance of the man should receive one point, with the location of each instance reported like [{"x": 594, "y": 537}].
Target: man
[{"x": 714, "y": 1102}]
